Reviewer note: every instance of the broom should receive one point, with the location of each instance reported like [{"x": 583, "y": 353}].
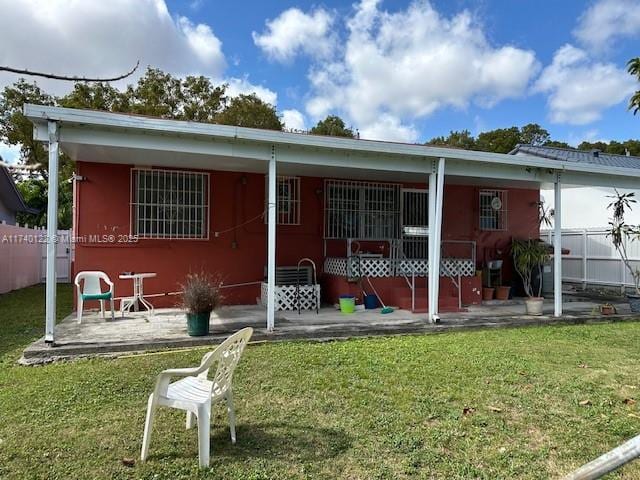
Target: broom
[{"x": 385, "y": 309}]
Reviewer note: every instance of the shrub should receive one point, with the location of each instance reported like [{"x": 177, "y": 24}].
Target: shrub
[{"x": 200, "y": 293}]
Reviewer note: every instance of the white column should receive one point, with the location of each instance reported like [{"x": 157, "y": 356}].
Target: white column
[
  {"x": 437, "y": 237},
  {"x": 431, "y": 219},
  {"x": 52, "y": 232},
  {"x": 271, "y": 243},
  {"x": 557, "y": 249}
]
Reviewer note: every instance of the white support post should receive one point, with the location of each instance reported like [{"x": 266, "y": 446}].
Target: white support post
[
  {"x": 557, "y": 249},
  {"x": 437, "y": 238},
  {"x": 52, "y": 231},
  {"x": 271, "y": 243},
  {"x": 431, "y": 220},
  {"x": 585, "y": 259}
]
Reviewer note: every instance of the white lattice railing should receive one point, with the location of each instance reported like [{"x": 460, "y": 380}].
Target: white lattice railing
[
  {"x": 286, "y": 296},
  {"x": 386, "y": 267}
]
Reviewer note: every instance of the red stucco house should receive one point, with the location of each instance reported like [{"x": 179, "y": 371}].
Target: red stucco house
[{"x": 175, "y": 197}]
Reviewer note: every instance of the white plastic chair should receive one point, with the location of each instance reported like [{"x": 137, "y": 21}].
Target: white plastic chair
[
  {"x": 92, "y": 290},
  {"x": 195, "y": 393}
]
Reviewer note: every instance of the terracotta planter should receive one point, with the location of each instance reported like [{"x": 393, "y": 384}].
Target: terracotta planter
[
  {"x": 502, "y": 293},
  {"x": 487, "y": 293},
  {"x": 607, "y": 310},
  {"x": 534, "y": 305}
]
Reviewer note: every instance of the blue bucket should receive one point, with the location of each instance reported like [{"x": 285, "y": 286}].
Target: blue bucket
[{"x": 371, "y": 302}]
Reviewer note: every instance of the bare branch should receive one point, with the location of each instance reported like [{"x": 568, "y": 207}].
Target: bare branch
[
  {"x": 66, "y": 77},
  {"x": 21, "y": 167}
]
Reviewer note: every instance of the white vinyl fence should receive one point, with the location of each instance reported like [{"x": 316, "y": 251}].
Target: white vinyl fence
[
  {"x": 64, "y": 256},
  {"x": 22, "y": 254},
  {"x": 592, "y": 258}
]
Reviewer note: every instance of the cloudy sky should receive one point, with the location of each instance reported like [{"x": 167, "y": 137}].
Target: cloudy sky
[{"x": 395, "y": 70}]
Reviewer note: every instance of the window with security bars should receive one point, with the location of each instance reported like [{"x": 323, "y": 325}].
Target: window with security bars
[
  {"x": 364, "y": 210},
  {"x": 493, "y": 210},
  {"x": 287, "y": 199},
  {"x": 169, "y": 204}
]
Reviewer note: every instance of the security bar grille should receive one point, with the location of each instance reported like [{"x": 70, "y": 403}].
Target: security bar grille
[
  {"x": 288, "y": 200},
  {"x": 415, "y": 223},
  {"x": 169, "y": 204},
  {"x": 363, "y": 210},
  {"x": 493, "y": 210}
]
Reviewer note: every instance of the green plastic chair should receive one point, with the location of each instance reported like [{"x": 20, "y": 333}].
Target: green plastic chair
[{"x": 92, "y": 290}]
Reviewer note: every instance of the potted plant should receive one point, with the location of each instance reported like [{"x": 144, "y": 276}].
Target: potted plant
[
  {"x": 502, "y": 292},
  {"x": 621, "y": 234},
  {"x": 487, "y": 293},
  {"x": 528, "y": 258},
  {"x": 200, "y": 296},
  {"x": 607, "y": 309}
]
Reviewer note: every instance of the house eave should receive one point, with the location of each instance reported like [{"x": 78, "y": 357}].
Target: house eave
[{"x": 355, "y": 150}]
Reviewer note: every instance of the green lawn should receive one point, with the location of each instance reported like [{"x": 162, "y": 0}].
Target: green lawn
[{"x": 483, "y": 404}]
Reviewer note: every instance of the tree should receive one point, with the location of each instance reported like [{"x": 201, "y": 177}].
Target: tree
[
  {"x": 456, "y": 139},
  {"x": 15, "y": 128},
  {"x": 602, "y": 146},
  {"x": 201, "y": 100},
  {"x": 556, "y": 143},
  {"x": 633, "y": 67},
  {"x": 534, "y": 134},
  {"x": 250, "y": 111},
  {"x": 96, "y": 96},
  {"x": 332, "y": 126},
  {"x": 500, "y": 140},
  {"x": 157, "y": 94}
]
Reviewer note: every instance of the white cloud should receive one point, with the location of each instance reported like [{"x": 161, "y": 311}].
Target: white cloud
[
  {"x": 389, "y": 128},
  {"x": 294, "y": 31},
  {"x": 103, "y": 38},
  {"x": 293, "y": 119},
  {"x": 580, "y": 89},
  {"x": 396, "y": 67},
  {"x": 242, "y": 85},
  {"x": 605, "y": 21}
]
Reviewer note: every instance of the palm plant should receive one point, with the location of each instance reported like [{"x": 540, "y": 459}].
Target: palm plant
[
  {"x": 621, "y": 233},
  {"x": 633, "y": 67},
  {"x": 528, "y": 258}
]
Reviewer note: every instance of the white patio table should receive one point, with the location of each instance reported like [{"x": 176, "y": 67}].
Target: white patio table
[{"x": 138, "y": 292}]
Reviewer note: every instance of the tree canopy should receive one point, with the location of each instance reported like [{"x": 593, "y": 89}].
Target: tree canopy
[
  {"x": 333, "y": 126},
  {"x": 250, "y": 111},
  {"x": 500, "y": 140}
]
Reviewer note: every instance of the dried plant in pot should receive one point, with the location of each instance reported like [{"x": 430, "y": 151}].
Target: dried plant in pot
[
  {"x": 528, "y": 258},
  {"x": 200, "y": 296}
]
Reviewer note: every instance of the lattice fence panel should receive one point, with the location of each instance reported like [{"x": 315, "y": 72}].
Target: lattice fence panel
[
  {"x": 285, "y": 296},
  {"x": 335, "y": 266}
]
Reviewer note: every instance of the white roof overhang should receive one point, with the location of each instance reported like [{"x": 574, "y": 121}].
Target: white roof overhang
[{"x": 97, "y": 136}]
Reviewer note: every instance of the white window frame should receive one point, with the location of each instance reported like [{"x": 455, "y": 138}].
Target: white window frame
[
  {"x": 288, "y": 201},
  {"x": 190, "y": 207},
  {"x": 489, "y": 219}
]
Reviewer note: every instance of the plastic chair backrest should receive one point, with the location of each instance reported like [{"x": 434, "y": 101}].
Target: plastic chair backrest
[
  {"x": 226, "y": 356},
  {"x": 91, "y": 284}
]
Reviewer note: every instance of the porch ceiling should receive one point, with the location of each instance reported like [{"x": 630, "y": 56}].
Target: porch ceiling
[
  {"x": 172, "y": 159},
  {"x": 118, "y": 138}
]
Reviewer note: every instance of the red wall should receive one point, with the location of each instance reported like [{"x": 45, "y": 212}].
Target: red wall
[{"x": 240, "y": 256}]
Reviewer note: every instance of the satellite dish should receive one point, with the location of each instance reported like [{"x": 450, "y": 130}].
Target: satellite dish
[{"x": 496, "y": 203}]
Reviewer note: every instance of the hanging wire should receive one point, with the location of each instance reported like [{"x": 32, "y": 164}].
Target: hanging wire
[{"x": 252, "y": 219}]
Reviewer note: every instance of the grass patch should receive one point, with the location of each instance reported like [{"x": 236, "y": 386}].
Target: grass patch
[{"x": 483, "y": 404}]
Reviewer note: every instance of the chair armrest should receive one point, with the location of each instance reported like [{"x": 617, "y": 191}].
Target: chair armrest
[
  {"x": 164, "y": 378},
  {"x": 180, "y": 372}
]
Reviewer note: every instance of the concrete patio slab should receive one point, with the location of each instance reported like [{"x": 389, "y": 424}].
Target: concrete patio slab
[{"x": 140, "y": 331}]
